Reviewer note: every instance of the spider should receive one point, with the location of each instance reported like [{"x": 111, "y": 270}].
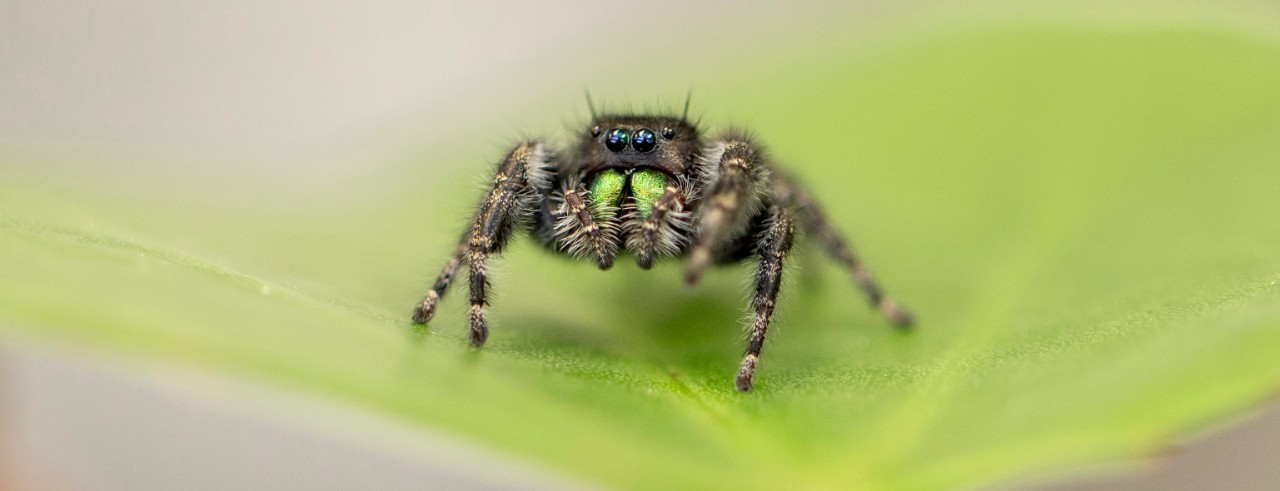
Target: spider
[{"x": 655, "y": 187}]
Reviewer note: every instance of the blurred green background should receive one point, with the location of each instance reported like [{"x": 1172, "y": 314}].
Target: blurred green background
[{"x": 1077, "y": 201}]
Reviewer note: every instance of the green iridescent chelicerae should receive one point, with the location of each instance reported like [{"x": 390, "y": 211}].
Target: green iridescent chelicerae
[
  {"x": 647, "y": 186},
  {"x": 606, "y": 192}
]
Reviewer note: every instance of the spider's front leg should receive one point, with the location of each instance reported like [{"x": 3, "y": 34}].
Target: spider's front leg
[
  {"x": 772, "y": 249},
  {"x": 734, "y": 178},
  {"x": 523, "y": 176}
]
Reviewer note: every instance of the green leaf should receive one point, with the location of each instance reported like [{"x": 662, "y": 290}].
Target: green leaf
[{"x": 1082, "y": 217}]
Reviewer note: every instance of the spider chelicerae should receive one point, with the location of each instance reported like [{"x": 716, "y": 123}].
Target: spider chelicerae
[{"x": 652, "y": 186}]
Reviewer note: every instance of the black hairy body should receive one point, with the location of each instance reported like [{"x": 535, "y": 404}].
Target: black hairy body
[{"x": 654, "y": 187}]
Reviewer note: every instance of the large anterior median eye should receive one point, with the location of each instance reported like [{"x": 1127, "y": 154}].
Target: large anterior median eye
[
  {"x": 645, "y": 140},
  {"x": 616, "y": 140},
  {"x": 606, "y": 191},
  {"x": 647, "y": 185}
]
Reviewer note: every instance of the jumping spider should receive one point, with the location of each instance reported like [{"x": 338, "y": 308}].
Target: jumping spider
[{"x": 653, "y": 186}]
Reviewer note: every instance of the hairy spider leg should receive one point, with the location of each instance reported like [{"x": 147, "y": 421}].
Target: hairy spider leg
[
  {"x": 772, "y": 249},
  {"x": 427, "y": 307},
  {"x": 522, "y": 176},
  {"x": 814, "y": 223},
  {"x": 734, "y": 173}
]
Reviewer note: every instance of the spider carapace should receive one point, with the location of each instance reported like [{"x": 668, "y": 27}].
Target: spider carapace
[{"x": 652, "y": 186}]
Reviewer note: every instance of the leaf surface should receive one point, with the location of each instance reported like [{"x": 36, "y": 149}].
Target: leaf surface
[{"x": 1084, "y": 220}]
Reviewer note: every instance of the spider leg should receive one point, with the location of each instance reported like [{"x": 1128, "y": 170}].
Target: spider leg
[
  {"x": 520, "y": 179},
  {"x": 772, "y": 249},
  {"x": 734, "y": 174},
  {"x": 815, "y": 223},
  {"x": 427, "y": 307}
]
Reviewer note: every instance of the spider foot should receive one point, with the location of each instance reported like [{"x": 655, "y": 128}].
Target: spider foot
[
  {"x": 697, "y": 263},
  {"x": 746, "y": 373},
  {"x": 479, "y": 331},
  {"x": 897, "y": 315},
  {"x": 426, "y": 308}
]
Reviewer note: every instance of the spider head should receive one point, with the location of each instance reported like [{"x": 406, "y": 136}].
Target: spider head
[{"x": 640, "y": 142}]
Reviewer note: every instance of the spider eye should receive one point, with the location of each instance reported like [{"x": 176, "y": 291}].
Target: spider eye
[
  {"x": 616, "y": 140},
  {"x": 596, "y": 131},
  {"x": 645, "y": 140},
  {"x": 668, "y": 133}
]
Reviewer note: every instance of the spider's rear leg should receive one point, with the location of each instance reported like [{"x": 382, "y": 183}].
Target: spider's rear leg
[
  {"x": 772, "y": 249},
  {"x": 524, "y": 174},
  {"x": 815, "y": 224},
  {"x": 427, "y": 307}
]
